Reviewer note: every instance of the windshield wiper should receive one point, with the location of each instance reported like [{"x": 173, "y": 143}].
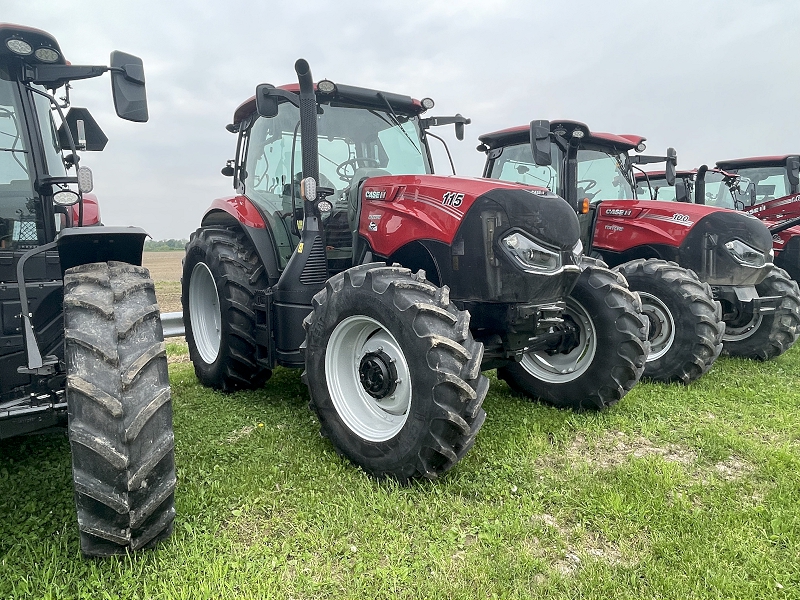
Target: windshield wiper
[
  {"x": 13, "y": 150},
  {"x": 396, "y": 120}
]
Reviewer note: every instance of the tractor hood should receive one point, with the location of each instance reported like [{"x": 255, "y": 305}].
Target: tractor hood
[{"x": 390, "y": 201}]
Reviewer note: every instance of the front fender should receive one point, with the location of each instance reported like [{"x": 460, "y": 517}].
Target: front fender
[{"x": 84, "y": 245}]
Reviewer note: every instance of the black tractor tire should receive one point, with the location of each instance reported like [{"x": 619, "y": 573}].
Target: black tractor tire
[
  {"x": 606, "y": 361},
  {"x": 686, "y": 324},
  {"x": 413, "y": 347},
  {"x": 221, "y": 274},
  {"x": 763, "y": 337},
  {"x": 120, "y": 412}
]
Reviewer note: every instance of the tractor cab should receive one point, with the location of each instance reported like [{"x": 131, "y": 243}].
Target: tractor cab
[
  {"x": 774, "y": 191},
  {"x": 584, "y": 167},
  {"x": 44, "y": 197},
  {"x": 361, "y": 134},
  {"x": 716, "y": 187}
]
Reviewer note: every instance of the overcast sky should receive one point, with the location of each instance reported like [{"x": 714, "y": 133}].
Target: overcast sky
[{"x": 714, "y": 79}]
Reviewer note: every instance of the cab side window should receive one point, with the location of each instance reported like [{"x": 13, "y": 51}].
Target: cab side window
[{"x": 18, "y": 203}]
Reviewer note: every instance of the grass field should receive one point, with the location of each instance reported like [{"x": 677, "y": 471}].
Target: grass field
[{"x": 674, "y": 493}]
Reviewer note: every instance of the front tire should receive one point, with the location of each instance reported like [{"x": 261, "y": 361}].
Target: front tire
[
  {"x": 221, "y": 273},
  {"x": 393, "y": 372},
  {"x": 120, "y": 413},
  {"x": 605, "y": 361},
  {"x": 765, "y": 336},
  {"x": 686, "y": 324}
]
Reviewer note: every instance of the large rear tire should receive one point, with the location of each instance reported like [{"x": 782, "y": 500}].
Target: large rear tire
[
  {"x": 221, "y": 273},
  {"x": 607, "y": 358},
  {"x": 393, "y": 372},
  {"x": 120, "y": 413},
  {"x": 686, "y": 324},
  {"x": 765, "y": 336}
]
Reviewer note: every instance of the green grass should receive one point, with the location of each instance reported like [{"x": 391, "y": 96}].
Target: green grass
[{"x": 675, "y": 493}]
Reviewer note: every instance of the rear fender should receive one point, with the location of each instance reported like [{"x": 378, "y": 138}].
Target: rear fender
[
  {"x": 91, "y": 211},
  {"x": 240, "y": 212}
]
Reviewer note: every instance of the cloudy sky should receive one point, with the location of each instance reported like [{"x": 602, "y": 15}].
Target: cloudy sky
[{"x": 714, "y": 79}]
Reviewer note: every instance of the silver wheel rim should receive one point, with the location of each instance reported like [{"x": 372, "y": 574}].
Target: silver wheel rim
[
  {"x": 562, "y": 368},
  {"x": 662, "y": 336},
  {"x": 204, "y": 313},
  {"x": 373, "y": 419},
  {"x": 736, "y": 334}
]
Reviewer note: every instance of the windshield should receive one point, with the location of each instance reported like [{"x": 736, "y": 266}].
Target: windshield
[
  {"x": 354, "y": 143},
  {"x": 349, "y": 139},
  {"x": 769, "y": 182},
  {"x": 660, "y": 190},
  {"x": 515, "y": 164},
  {"x": 718, "y": 190},
  {"x": 603, "y": 175},
  {"x": 18, "y": 203}
]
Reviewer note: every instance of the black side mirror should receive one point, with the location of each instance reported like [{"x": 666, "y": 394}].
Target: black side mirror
[
  {"x": 127, "y": 87},
  {"x": 681, "y": 192},
  {"x": 540, "y": 143},
  {"x": 672, "y": 162},
  {"x": 266, "y": 104},
  {"x": 793, "y": 170},
  {"x": 459, "y": 130}
]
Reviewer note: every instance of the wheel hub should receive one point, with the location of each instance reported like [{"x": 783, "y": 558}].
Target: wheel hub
[{"x": 378, "y": 374}]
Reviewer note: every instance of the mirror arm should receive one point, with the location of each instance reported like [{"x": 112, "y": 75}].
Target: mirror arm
[
  {"x": 438, "y": 121},
  {"x": 289, "y": 96},
  {"x": 58, "y": 75}
]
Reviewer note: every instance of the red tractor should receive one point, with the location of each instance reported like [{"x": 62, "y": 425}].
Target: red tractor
[
  {"x": 725, "y": 189},
  {"x": 392, "y": 287},
  {"x": 715, "y": 187},
  {"x": 723, "y": 255},
  {"x": 81, "y": 341},
  {"x": 770, "y": 190}
]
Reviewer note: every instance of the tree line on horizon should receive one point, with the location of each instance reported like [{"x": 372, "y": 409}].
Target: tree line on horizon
[{"x": 164, "y": 245}]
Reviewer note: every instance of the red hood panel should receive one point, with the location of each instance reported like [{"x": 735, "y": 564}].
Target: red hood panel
[
  {"x": 624, "y": 224},
  {"x": 399, "y": 209}
]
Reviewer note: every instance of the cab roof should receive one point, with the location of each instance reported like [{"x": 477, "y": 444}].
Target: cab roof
[
  {"x": 36, "y": 38},
  {"x": 754, "y": 161},
  {"x": 521, "y": 134},
  {"x": 344, "y": 95}
]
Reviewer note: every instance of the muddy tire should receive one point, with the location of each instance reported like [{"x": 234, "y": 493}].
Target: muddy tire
[
  {"x": 120, "y": 413},
  {"x": 607, "y": 358},
  {"x": 221, "y": 273},
  {"x": 762, "y": 337},
  {"x": 686, "y": 324},
  {"x": 393, "y": 372}
]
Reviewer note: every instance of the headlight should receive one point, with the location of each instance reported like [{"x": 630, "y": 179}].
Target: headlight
[
  {"x": 577, "y": 252},
  {"x": 529, "y": 255},
  {"x": 744, "y": 254}
]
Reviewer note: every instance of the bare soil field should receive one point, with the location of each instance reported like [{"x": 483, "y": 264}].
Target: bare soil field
[
  {"x": 164, "y": 266},
  {"x": 165, "y": 269}
]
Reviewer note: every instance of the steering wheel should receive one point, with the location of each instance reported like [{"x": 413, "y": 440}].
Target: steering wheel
[
  {"x": 341, "y": 170},
  {"x": 591, "y": 183}
]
